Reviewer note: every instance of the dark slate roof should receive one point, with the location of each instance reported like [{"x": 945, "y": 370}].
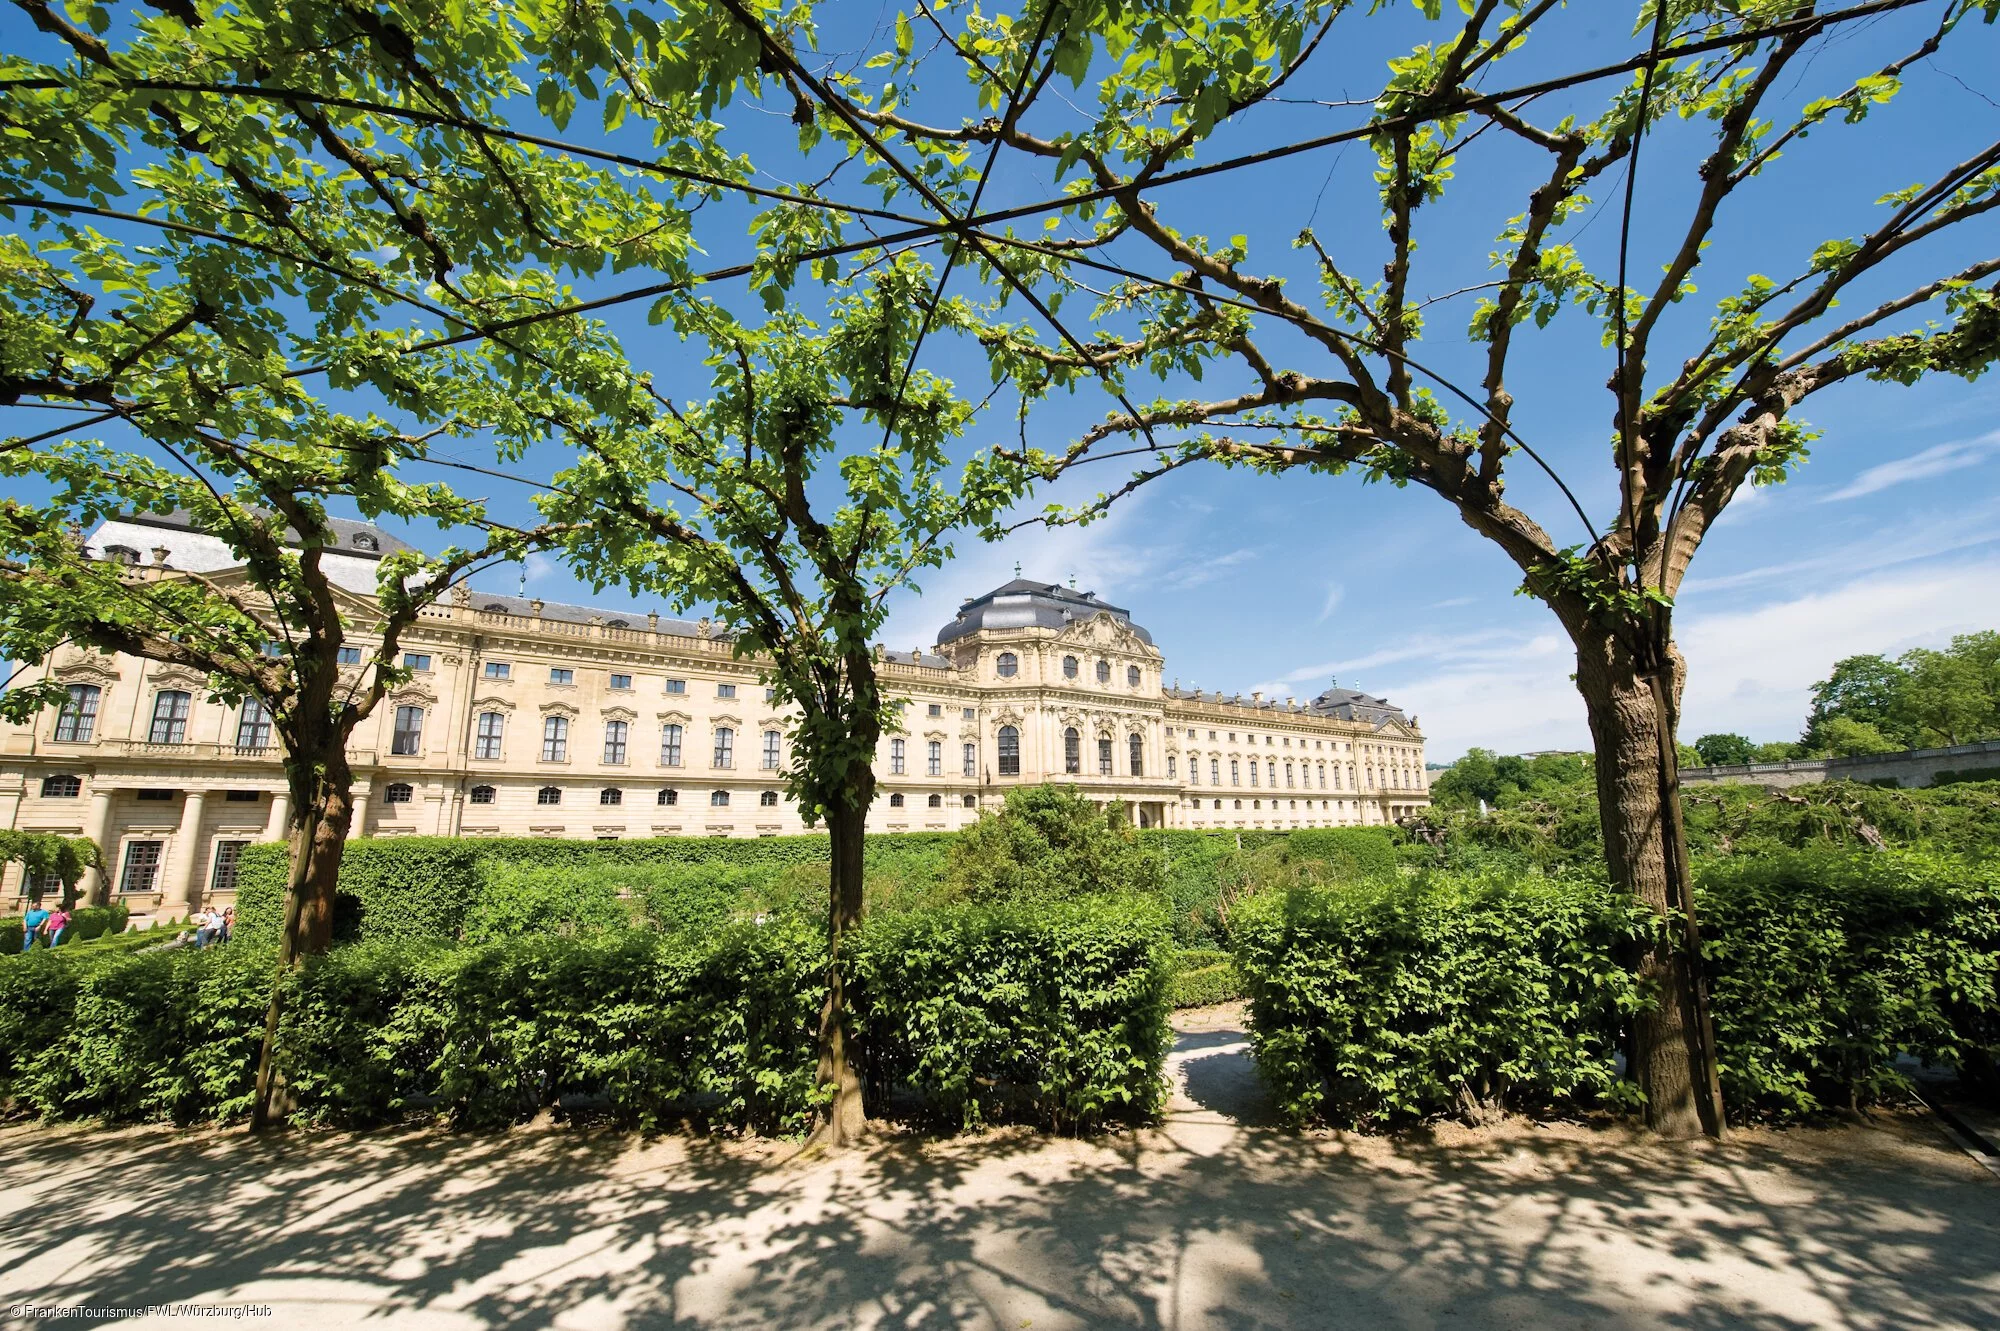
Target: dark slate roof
[
  {"x": 1023, "y": 604},
  {"x": 1354, "y": 705},
  {"x": 346, "y": 529},
  {"x": 583, "y": 614}
]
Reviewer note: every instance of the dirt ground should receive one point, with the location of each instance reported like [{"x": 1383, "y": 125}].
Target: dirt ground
[{"x": 1214, "y": 1219}]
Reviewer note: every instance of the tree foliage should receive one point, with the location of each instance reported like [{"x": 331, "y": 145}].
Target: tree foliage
[{"x": 1922, "y": 699}]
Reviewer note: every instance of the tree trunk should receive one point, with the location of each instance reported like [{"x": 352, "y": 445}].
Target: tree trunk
[
  {"x": 1633, "y": 711},
  {"x": 323, "y": 807},
  {"x": 846, "y": 1116}
]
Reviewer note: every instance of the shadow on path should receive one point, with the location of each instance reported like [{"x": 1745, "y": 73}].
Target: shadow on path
[{"x": 1205, "y": 1221}]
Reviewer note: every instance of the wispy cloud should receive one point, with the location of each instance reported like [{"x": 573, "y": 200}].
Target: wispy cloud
[
  {"x": 1933, "y": 461},
  {"x": 1930, "y": 537},
  {"x": 1334, "y": 593},
  {"x": 1201, "y": 572},
  {"x": 1452, "y": 602}
]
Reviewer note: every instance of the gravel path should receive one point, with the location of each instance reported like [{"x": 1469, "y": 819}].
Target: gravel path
[{"x": 1212, "y": 1220}]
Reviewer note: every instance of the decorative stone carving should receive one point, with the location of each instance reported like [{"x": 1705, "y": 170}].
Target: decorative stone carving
[
  {"x": 461, "y": 595},
  {"x": 493, "y": 705},
  {"x": 619, "y": 714},
  {"x": 559, "y": 709}
]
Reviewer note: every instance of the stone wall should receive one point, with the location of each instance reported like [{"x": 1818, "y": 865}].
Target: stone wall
[{"x": 1910, "y": 769}]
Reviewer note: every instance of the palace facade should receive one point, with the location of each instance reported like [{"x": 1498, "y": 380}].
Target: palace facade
[{"x": 524, "y": 717}]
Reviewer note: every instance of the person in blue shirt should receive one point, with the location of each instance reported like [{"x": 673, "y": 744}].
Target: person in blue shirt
[{"x": 31, "y": 924}]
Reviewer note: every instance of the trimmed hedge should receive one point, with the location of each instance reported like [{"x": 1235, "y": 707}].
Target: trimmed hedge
[
  {"x": 1057, "y": 1018},
  {"x": 1349, "y": 852},
  {"x": 1823, "y": 967},
  {"x": 1204, "y": 976},
  {"x": 85, "y": 923},
  {"x": 1401, "y": 999},
  {"x": 1054, "y": 1013},
  {"x": 1393, "y": 1001}
]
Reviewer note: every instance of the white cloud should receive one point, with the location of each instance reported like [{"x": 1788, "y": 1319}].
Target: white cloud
[
  {"x": 1934, "y": 461},
  {"x": 1930, "y": 537},
  {"x": 1334, "y": 592},
  {"x": 541, "y": 568}
]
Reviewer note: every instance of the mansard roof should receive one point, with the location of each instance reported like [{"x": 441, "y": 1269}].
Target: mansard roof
[
  {"x": 1354, "y": 705},
  {"x": 1024, "y": 604}
]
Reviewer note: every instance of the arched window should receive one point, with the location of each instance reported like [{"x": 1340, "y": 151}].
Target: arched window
[
  {"x": 670, "y": 797},
  {"x": 768, "y": 799},
  {"x": 1072, "y": 750},
  {"x": 61, "y": 787},
  {"x": 483, "y": 794},
  {"x": 614, "y": 742},
  {"x": 896, "y": 801},
  {"x": 611, "y": 795},
  {"x": 718, "y": 799},
  {"x": 1135, "y": 744},
  {"x": 1132, "y": 676},
  {"x": 1104, "y": 672},
  {"x": 1008, "y": 665},
  {"x": 934, "y": 758},
  {"x": 1069, "y": 667},
  {"x": 1104, "y": 755},
  {"x": 170, "y": 717},
  {"x": 407, "y": 739},
  {"x": 1288, "y": 776},
  {"x": 555, "y": 739},
  {"x": 549, "y": 795},
  {"x": 770, "y": 762},
  {"x": 492, "y": 725},
  {"x": 1215, "y": 772},
  {"x": 76, "y": 722},
  {"x": 1235, "y": 775},
  {"x": 670, "y": 745},
  {"x": 971, "y": 760},
  {"x": 253, "y": 725},
  {"x": 725, "y": 747},
  {"x": 970, "y": 802},
  {"x": 1194, "y": 768},
  {"x": 895, "y": 757},
  {"x": 936, "y": 801},
  {"x": 1010, "y": 751},
  {"x": 399, "y": 792}
]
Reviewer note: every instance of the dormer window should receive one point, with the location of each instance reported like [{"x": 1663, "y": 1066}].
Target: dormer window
[
  {"x": 121, "y": 554},
  {"x": 364, "y": 541}
]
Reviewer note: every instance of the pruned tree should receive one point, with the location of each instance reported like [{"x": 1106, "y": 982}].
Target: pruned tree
[
  {"x": 815, "y": 481},
  {"x": 279, "y": 255},
  {"x": 1162, "y": 79}
]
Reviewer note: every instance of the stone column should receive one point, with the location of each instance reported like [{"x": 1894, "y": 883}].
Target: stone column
[
  {"x": 97, "y": 883},
  {"x": 184, "y": 870},
  {"x": 358, "y": 824},
  {"x": 281, "y": 817}
]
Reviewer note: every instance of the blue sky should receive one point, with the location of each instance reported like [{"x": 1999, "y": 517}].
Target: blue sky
[{"x": 1888, "y": 538}]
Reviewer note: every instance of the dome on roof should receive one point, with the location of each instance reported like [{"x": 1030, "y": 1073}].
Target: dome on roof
[{"x": 1022, "y": 604}]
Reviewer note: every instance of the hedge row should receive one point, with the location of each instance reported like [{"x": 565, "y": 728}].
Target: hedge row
[
  {"x": 1406, "y": 999},
  {"x": 85, "y": 923},
  {"x": 1057, "y": 1018}
]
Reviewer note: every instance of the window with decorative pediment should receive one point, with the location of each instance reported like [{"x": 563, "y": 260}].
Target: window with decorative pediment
[
  {"x": 1072, "y": 750},
  {"x": 1104, "y": 755},
  {"x": 492, "y": 729},
  {"x": 76, "y": 722},
  {"x": 1010, "y": 751},
  {"x": 170, "y": 716},
  {"x": 670, "y": 745},
  {"x": 1135, "y": 745},
  {"x": 253, "y": 726}
]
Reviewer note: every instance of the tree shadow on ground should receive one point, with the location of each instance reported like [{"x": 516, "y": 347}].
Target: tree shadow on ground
[{"x": 1193, "y": 1224}]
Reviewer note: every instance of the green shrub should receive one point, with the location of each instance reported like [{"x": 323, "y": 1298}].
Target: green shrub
[
  {"x": 1349, "y": 853},
  {"x": 1053, "y": 1013},
  {"x": 1204, "y": 976},
  {"x": 12, "y": 930},
  {"x": 1049, "y": 843},
  {"x": 517, "y": 899},
  {"x": 1824, "y": 966},
  {"x": 1392, "y": 1000}
]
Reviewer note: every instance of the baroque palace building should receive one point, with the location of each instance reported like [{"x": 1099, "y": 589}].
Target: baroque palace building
[{"x": 524, "y": 717}]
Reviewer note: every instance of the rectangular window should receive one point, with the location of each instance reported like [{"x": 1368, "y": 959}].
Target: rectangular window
[
  {"x": 1235, "y": 777},
  {"x": 935, "y": 760},
  {"x": 725, "y": 747},
  {"x": 416, "y": 661},
  {"x": 253, "y": 726},
  {"x": 1214, "y": 771},
  {"x": 1271, "y": 775},
  {"x": 770, "y": 762},
  {"x": 614, "y": 742},
  {"x": 1253, "y": 771},
  {"x": 972, "y": 760},
  {"x": 895, "y": 757},
  {"x": 555, "y": 739},
  {"x": 228, "y": 854},
  {"x": 725, "y": 690},
  {"x": 558, "y": 675},
  {"x": 142, "y": 866},
  {"x": 408, "y": 738},
  {"x": 965, "y": 713},
  {"x": 936, "y": 709},
  {"x": 770, "y": 695},
  {"x": 621, "y": 681},
  {"x": 1170, "y": 765},
  {"x": 499, "y": 670},
  {"x": 1104, "y": 757},
  {"x": 670, "y": 745},
  {"x": 677, "y": 686},
  {"x": 242, "y": 797},
  {"x": 348, "y": 656},
  {"x": 170, "y": 717},
  {"x": 492, "y": 725},
  {"x": 1288, "y": 776},
  {"x": 77, "y": 721}
]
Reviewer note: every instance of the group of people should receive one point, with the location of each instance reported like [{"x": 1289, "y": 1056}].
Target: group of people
[
  {"x": 213, "y": 926},
  {"x": 39, "y": 924}
]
